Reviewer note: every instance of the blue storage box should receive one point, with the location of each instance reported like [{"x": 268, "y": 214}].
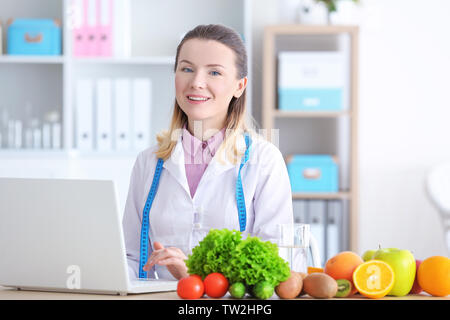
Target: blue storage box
[
  {"x": 34, "y": 37},
  {"x": 313, "y": 173}
]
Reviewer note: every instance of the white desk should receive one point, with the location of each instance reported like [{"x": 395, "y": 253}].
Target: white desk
[{"x": 12, "y": 294}]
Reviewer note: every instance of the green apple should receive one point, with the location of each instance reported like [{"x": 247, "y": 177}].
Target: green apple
[
  {"x": 368, "y": 255},
  {"x": 404, "y": 266}
]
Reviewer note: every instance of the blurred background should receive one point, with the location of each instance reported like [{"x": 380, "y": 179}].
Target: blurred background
[{"x": 357, "y": 90}]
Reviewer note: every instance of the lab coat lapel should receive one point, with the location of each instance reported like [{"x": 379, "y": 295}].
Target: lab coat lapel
[
  {"x": 175, "y": 165},
  {"x": 219, "y": 164}
]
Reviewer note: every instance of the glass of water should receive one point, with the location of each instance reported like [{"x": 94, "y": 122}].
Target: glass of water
[{"x": 293, "y": 245}]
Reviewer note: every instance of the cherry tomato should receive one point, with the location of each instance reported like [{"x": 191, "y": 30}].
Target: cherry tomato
[
  {"x": 190, "y": 287},
  {"x": 216, "y": 285}
]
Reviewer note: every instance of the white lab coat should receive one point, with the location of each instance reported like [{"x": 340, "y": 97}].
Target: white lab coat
[{"x": 178, "y": 220}]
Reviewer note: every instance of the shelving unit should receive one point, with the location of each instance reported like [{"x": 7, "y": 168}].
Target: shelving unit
[
  {"x": 48, "y": 82},
  {"x": 144, "y": 54},
  {"x": 319, "y": 132}
]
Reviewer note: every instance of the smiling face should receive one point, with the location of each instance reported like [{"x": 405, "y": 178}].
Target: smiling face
[{"x": 205, "y": 82}]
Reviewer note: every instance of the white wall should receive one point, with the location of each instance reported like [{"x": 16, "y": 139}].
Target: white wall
[
  {"x": 404, "y": 121},
  {"x": 404, "y": 116}
]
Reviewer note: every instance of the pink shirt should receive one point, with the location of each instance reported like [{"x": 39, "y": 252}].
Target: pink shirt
[{"x": 198, "y": 154}]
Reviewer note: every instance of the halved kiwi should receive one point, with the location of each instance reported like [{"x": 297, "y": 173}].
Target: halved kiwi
[{"x": 344, "y": 288}]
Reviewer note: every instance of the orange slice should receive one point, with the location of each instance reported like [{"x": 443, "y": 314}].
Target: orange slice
[
  {"x": 313, "y": 269},
  {"x": 374, "y": 279}
]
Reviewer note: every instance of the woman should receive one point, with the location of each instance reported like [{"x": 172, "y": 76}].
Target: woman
[{"x": 211, "y": 169}]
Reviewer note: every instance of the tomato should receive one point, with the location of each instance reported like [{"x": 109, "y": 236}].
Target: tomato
[
  {"x": 190, "y": 287},
  {"x": 216, "y": 285}
]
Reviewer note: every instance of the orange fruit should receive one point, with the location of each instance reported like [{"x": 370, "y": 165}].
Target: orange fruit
[
  {"x": 342, "y": 265},
  {"x": 314, "y": 269},
  {"x": 374, "y": 279},
  {"x": 434, "y": 276}
]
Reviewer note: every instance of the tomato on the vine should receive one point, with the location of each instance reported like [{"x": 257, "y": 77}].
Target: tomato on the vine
[
  {"x": 216, "y": 285},
  {"x": 190, "y": 287}
]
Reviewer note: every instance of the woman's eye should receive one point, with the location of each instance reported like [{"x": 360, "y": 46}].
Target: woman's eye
[
  {"x": 215, "y": 73},
  {"x": 186, "y": 69}
]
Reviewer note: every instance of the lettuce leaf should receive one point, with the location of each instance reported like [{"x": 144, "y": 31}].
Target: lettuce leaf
[
  {"x": 254, "y": 261},
  {"x": 213, "y": 253}
]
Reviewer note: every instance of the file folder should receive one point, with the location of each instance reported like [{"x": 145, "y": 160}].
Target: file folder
[
  {"x": 141, "y": 113},
  {"x": 91, "y": 27},
  {"x": 121, "y": 28},
  {"x": 316, "y": 218},
  {"x": 299, "y": 208},
  {"x": 122, "y": 102},
  {"x": 333, "y": 228},
  {"x": 79, "y": 36},
  {"x": 104, "y": 115},
  {"x": 84, "y": 114},
  {"x": 104, "y": 27}
]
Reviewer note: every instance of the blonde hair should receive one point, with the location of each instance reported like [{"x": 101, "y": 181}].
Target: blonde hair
[{"x": 238, "y": 121}]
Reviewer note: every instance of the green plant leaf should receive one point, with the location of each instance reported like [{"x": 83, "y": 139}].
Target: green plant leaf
[{"x": 332, "y": 4}]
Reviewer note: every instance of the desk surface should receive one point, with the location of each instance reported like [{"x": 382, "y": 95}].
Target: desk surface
[{"x": 13, "y": 294}]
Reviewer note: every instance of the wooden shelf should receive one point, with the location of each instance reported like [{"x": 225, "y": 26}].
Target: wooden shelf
[
  {"x": 321, "y": 196},
  {"x": 311, "y": 114}
]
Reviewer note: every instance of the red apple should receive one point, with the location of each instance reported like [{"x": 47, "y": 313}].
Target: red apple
[{"x": 416, "y": 289}]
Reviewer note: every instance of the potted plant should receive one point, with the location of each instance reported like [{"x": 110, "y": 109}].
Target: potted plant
[{"x": 331, "y": 6}]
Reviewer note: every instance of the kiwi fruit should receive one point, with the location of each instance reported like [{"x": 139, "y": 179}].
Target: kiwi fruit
[
  {"x": 320, "y": 285},
  {"x": 303, "y": 276},
  {"x": 290, "y": 288},
  {"x": 344, "y": 288}
]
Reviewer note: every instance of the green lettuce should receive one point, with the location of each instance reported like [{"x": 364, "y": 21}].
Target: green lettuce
[{"x": 249, "y": 261}]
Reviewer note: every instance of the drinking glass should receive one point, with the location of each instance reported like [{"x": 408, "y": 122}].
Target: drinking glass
[{"x": 294, "y": 242}]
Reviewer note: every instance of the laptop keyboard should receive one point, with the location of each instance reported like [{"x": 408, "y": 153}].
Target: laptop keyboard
[{"x": 147, "y": 282}]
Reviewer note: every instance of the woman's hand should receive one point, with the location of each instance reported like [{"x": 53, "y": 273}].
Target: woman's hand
[{"x": 173, "y": 258}]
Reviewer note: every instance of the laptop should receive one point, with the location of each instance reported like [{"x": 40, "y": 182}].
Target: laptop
[{"x": 65, "y": 236}]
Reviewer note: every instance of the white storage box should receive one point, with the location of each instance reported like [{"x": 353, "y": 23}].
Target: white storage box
[{"x": 313, "y": 80}]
